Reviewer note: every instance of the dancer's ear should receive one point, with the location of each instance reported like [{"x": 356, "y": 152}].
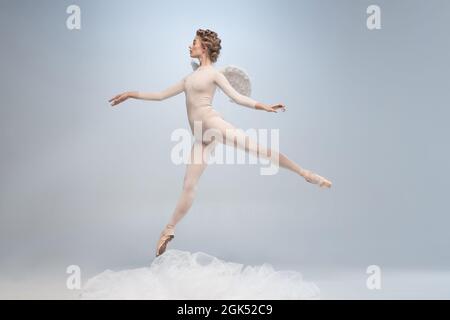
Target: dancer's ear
[{"x": 205, "y": 48}]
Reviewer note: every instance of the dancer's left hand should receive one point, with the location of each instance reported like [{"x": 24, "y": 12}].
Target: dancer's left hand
[{"x": 272, "y": 108}]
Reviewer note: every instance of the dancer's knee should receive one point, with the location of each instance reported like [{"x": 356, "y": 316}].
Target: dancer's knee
[
  {"x": 257, "y": 148},
  {"x": 266, "y": 152},
  {"x": 190, "y": 185}
]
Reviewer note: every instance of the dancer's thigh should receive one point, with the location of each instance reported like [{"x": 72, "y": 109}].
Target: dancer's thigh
[
  {"x": 200, "y": 152},
  {"x": 233, "y": 136}
]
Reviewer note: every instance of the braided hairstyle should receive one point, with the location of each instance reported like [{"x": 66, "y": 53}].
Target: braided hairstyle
[{"x": 211, "y": 41}]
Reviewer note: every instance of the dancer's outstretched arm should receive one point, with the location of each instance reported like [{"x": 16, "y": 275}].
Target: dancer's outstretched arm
[
  {"x": 171, "y": 91},
  {"x": 224, "y": 84},
  {"x": 155, "y": 96},
  {"x": 241, "y": 99}
]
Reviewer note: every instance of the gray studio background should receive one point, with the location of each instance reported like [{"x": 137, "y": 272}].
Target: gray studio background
[{"x": 87, "y": 184}]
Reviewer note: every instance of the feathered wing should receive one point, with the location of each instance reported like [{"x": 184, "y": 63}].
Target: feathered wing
[
  {"x": 239, "y": 80},
  {"x": 194, "y": 65},
  {"x": 236, "y": 76}
]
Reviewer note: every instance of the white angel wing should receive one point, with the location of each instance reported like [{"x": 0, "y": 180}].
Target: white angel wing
[
  {"x": 194, "y": 65},
  {"x": 236, "y": 76},
  {"x": 239, "y": 79}
]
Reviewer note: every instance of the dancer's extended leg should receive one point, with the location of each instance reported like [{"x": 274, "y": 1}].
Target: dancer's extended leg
[{"x": 236, "y": 137}]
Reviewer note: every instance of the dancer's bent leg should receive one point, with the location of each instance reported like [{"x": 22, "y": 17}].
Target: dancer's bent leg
[{"x": 194, "y": 170}]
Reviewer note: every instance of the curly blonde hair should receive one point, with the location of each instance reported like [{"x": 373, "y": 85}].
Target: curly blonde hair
[{"x": 211, "y": 41}]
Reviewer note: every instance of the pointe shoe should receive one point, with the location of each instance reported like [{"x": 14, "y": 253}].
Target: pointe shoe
[
  {"x": 316, "y": 179},
  {"x": 166, "y": 235}
]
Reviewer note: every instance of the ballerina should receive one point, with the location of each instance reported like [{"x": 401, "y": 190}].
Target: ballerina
[{"x": 199, "y": 87}]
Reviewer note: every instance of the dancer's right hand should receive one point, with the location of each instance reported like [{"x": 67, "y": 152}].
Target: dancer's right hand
[{"x": 119, "y": 98}]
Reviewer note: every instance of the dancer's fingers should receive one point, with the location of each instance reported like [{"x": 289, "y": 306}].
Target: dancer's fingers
[
  {"x": 280, "y": 106},
  {"x": 115, "y": 97},
  {"x": 115, "y": 102},
  {"x": 120, "y": 99}
]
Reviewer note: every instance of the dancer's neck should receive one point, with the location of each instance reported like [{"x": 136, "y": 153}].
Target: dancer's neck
[{"x": 204, "y": 62}]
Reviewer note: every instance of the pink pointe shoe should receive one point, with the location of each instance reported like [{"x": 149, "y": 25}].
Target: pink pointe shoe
[
  {"x": 166, "y": 235},
  {"x": 316, "y": 179}
]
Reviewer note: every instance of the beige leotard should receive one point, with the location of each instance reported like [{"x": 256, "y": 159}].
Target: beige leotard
[{"x": 199, "y": 87}]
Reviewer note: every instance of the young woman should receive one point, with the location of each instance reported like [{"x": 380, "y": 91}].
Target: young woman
[{"x": 199, "y": 87}]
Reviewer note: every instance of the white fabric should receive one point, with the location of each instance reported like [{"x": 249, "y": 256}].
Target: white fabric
[{"x": 180, "y": 274}]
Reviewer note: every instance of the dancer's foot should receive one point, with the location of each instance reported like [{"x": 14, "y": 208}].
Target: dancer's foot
[
  {"x": 316, "y": 179},
  {"x": 166, "y": 235}
]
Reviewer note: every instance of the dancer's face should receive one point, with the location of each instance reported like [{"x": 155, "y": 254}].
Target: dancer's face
[{"x": 195, "y": 49}]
